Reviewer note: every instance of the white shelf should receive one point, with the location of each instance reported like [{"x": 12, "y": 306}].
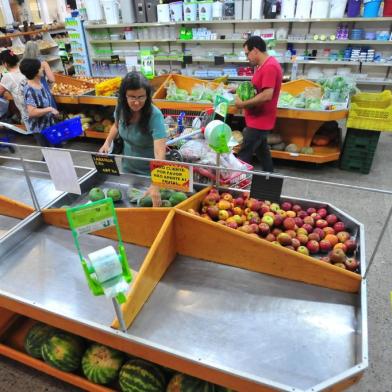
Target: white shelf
[
  {"x": 339, "y": 42},
  {"x": 261, "y": 21}
]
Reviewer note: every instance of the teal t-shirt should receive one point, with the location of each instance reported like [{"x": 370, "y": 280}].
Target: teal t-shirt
[{"x": 141, "y": 144}]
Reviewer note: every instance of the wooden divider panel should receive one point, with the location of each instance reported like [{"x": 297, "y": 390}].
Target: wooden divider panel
[{"x": 13, "y": 208}]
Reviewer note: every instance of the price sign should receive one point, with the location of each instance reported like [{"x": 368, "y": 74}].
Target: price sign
[
  {"x": 266, "y": 188},
  {"x": 115, "y": 59},
  {"x": 91, "y": 217},
  {"x": 172, "y": 176},
  {"x": 105, "y": 164}
]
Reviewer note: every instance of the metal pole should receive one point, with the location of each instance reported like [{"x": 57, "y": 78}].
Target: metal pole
[
  {"x": 29, "y": 183},
  {"x": 217, "y": 177},
  {"x": 119, "y": 315},
  {"x": 383, "y": 230}
]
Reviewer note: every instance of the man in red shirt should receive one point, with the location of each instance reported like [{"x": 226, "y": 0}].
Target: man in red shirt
[{"x": 260, "y": 111}]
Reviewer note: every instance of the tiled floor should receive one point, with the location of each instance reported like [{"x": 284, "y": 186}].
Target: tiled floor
[{"x": 368, "y": 207}]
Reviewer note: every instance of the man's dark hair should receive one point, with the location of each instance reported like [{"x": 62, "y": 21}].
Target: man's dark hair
[
  {"x": 255, "y": 42},
  {"x": 30, "y": 68}
]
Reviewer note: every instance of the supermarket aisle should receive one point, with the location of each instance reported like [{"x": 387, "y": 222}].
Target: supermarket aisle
[{"x": 366, "y": 207}]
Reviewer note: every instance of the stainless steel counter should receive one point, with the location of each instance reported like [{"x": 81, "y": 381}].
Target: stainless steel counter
[
  {"x": 251, "y": 324},
  {"x": 7, "y": 223}
]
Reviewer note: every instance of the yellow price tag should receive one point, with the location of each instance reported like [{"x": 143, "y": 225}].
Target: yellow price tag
[{"x": 172, "y": 176}]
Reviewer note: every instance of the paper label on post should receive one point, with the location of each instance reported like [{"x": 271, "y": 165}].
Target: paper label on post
[
  {"x": 62, "y": 171},
  {"x": 131, "y": 61}
]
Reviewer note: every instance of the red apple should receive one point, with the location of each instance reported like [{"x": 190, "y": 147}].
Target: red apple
[
  {"x": 263, "y": 209},
  {"x": 311, "y": 210},
  {"x": 296, "y": 208},
  {"x": 322, "y": 212},
  {"x": 254, "y": 227},
  {"x": 337, "y": 256},
  {"x": 291, "y": 233},
  {"x": 278, "y": 220},
  {"x": 332, "y": 239},
  {"x": 315, "y": 216},
  {"x": 328, "y": 230},
  {"x": 326, "y": 259},
  {"x": 302, "y": 238},
  {"x": 222, "y": 222},
  {"x": 295, "y": 243},
  {"x": 255, "y": 219},
  {"x": 264, "y": 229},
  {"x": 298, "y": 221},
  {"x": 252, "y": 214},
  {"x": 351, "y": 246},
  {"x": 303, "y": 249},
  {"x": 213, "y": 212},
  {"x": 339, "y": 226},
  {"x": 307, "y": 227},
  {"x": 224, "y": 205},
  {"x": 253, "y": 204},
  {"x": 321, "y": 223},
  {"x": 301, "y": 230},
  {"x": 302, "y": 214},
  {"x": 313, "y": 246},
  {"x": 291, "y": 214},
  {"x": 331, "y": 219},
  {"x": 275, "y": 207},
  {"x": 269, "y": 213},
  {"x": 308, "y": 220},
  {"x": 232, "y": 225},
  {"x": 227, "y": 196},
  {"x": 325, "y": 246},
  {"x": 286, "y": 205},
  {"x": 270, "y": 237},
  {"x": 320, "y": 232},
  {"x": 206, "y": 216},
  {"x": 289, "y": 223},
  {"x": 238, "y": 202},
  {"x": 284, "y": 239},
  {"x": 340, "y": 265},
  {"x": 314, "y": 237},
  {"x": 343, "y": 236},
  {"x": 223, "y": 215},
  {"x": 276, "y": 231},
  {"x": 351, "y": 264},
  {"x": 341, "y": 246},
  {"x": 291, "y": 247}
]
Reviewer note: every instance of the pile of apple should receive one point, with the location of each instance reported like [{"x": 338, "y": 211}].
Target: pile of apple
[{"x": 309, "y": 231}]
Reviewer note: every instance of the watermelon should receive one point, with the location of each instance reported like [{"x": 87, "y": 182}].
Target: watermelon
[
  {"x": 246, "y": 91},
  {"x": 63, "y": 351},
  {"x": 184, "y": 383},
  {"x": 141, "y": 376},
  {"x": 145, "y": 202},
  {"x": 101, "y": 364},
  {"x": 165, "y": 203},
  {"x": 165, "y": 193},
  {"x": 38, "y": 334}
]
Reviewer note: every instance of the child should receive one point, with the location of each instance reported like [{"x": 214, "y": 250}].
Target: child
[{"x": 41, "y": 114}]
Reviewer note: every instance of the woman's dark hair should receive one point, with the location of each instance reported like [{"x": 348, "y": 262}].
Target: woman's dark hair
[
  {"x": 9, "y": 57},
  {"x": 30, "y": 68},
  {"x": 256, "y": 42},
  {"x": 134, "y": 81}
]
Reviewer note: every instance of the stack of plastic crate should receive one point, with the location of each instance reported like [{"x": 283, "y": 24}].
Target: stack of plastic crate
[{"x": 370, "y": 113}]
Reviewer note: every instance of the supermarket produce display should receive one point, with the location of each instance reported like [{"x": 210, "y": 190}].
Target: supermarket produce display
[{"x": 185, "y": 253}]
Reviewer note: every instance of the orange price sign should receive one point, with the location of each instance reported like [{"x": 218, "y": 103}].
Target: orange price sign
[{"x": 172, "y": 176}]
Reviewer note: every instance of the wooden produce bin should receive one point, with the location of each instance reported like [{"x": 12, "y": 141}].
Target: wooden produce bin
[
  {"x": 13, "y": 331},
  {"x": 76, "y": 88},
  {"x": 299, "y": 126},
  {"x": 185, "y": 83}
]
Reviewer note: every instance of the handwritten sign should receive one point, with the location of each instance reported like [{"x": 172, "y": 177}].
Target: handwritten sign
[
  {"x": 172, "y": 176},
  {"x": 105, "y": 164}
]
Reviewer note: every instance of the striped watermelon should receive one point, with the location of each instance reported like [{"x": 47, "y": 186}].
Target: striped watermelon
[
  {"x": 141, "y": 376},
  {"x": 63, "y": 351},
  {"x": 38, "y": 334},
  {"x": 101, "y": 364},
  {"x": 183, "y": 383}
]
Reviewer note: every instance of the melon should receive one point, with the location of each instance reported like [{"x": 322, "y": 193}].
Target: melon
[
  {"x": 138, "y": 375},
  {"x": 96, "y": 194},
  {"x": 245, "y": 91},
  {"x": 38, "y": 334},
  {"x": 115, "y": 194},
  {"x": 177, "y": 197},
  {"x": 63, "y": 351},
  {"x": 184, "y": 383},
  {"x": 165, "y": 193},
  {"x": 101, "y": 364}
]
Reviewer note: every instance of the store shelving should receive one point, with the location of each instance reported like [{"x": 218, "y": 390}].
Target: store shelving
[{"x": 231, "y": 21}]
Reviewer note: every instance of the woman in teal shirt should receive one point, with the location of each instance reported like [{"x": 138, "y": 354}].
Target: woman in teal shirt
[{"x": 140, "y": 125}]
